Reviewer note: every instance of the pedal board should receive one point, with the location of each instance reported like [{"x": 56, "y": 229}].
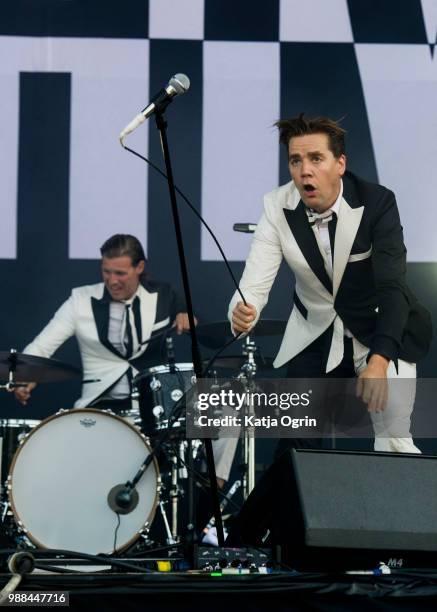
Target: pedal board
[{"x": 237, "y": 560}]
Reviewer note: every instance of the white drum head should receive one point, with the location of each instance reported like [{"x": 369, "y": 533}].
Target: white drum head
[{"x": 61, "y": 476}]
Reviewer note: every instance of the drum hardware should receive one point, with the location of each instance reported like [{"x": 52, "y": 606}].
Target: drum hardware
[
  {"x": 12, "y": 433},
  {"x": 178, "y": 452},
  {"x": 28, "y": 368},
  {"x": 209, "y": 534},
  {"x": 174, "y": 494},
  {"x": 158, "y": 408},
  {"x": 170, "y": 354},
  {"x": 214, "y": 335},
  {"x": 178, "y": 472},
  {"x": 183, "y": 449},
  {"x": 11, "y": 384},
  {"x": 249, "y": 364},
  {"x": 135, "y": 394},
  {"x": 5, "y": 511},
  {"x": 235, "y": 362},
  {"x": 170, "y": 537},
  {"x": 246, "y": 376},
  {"x": 158, "y": 390},
  {"x": 122, "y": 496}
]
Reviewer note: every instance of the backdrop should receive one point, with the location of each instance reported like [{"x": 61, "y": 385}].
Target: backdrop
[{"x": 73, "y": 73}]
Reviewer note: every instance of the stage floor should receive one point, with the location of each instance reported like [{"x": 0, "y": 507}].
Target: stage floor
[{"x": 276, "y": 591}]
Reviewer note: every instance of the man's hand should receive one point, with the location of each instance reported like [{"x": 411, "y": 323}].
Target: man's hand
[
  {"x": 182, "y": 323},
  {"x": 243, "y": 317},
  {"x": 372, "y": 385},
  {"x": 23, "y": 393}
]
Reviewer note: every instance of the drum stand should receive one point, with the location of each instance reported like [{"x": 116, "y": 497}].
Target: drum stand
[
  {"x": 177, "y": 473},
  {"x": 247, "y": 373},
  {"x": 181, "y": 456},
  {"x": 11, "y": 384},
  {"x": 170, "y": 537}
]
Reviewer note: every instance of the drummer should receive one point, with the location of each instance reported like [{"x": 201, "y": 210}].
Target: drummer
[{"x": 119, "y": 325}]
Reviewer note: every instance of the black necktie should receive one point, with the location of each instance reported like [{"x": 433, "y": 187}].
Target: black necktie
[
  {"x": 128, "y": 340},
  {"x": 332, "y": 225}
]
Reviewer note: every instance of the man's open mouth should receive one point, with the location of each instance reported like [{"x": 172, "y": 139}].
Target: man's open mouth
[{"x": 309, "y": 188}]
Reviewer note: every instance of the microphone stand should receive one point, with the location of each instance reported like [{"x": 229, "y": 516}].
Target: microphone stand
[{"x": 161, "y": 124}]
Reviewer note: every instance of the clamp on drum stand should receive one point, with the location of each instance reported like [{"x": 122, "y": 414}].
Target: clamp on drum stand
[
  {"x": 11, "y": 384},
  {"x": 246, "y": 376}
]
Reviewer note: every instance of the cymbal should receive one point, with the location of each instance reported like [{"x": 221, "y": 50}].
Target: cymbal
[
  {"x": 235, "y": 362},
  {"x": 214, "y": 334},
  {"x": 29, "y": 368}
]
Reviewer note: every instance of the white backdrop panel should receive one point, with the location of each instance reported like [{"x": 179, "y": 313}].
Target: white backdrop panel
[
  {"x": 315, "y": 21},
  {"x": 400, "y": 89},
  {"x": 176, "y": 19},
  {"x": 108, "y": 189},
  {"x": 240, "y": 153},
  {"x": 17, "y": 54}
]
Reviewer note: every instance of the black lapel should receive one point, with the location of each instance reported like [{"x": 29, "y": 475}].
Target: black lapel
[
  {"x": 350, "y": 190},
  {"x": 298, "y": 222},
  {"x": 137, "y": 318},
  {"x": 101, "y": 317}
]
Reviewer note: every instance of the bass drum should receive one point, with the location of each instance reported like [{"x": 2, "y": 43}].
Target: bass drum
[{"x": 62, "y": 473}]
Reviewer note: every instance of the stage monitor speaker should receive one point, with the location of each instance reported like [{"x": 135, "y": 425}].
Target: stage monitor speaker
[{"x": 345, "y": 510}]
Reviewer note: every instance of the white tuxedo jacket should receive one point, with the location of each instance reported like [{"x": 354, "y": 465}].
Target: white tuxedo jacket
[
  {"x": 86, "y": 315},
  {"x": 367, "y": 292}
]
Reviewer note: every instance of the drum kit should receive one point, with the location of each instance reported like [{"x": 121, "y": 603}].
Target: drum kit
[{"x": 89, "y": 480}]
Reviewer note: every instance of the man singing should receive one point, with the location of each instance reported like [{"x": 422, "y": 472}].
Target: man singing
[{"x": 353, "y": 314}]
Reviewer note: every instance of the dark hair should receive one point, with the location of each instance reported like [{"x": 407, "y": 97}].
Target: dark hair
[
  {"x": 121, "y": 245},
  {"x": 300, "y": 126}
]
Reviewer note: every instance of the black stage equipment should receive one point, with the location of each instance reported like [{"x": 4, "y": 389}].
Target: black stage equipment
[{"x": 331, "y": 510}]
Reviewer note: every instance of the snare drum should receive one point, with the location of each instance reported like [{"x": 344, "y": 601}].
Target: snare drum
[
  {"x": 158, "y": 390},
  {"x": 62, "y": 473},
  {"x": 12, "y": 432}
]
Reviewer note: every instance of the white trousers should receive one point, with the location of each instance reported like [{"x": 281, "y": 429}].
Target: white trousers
[{"x": 392, "y": 425}]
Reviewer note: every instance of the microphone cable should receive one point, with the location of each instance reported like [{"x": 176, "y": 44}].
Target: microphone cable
[
  {"x": 198, "y": 215},
  {"x": 211, "y": 233},
  {"x": 20, "y": 564}
]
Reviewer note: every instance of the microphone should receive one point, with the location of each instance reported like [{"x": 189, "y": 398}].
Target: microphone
[
  {"x": 177, "y": 85},
  {"x": 247, "y": 228},
  {"x": 123, "y": 499}
]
